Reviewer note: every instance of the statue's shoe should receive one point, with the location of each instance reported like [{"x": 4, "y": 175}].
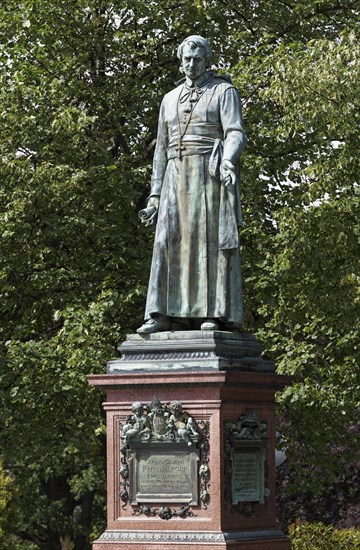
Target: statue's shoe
[
  {"x": 209, "y": 324},
  {"x": 154, "y": 325}
]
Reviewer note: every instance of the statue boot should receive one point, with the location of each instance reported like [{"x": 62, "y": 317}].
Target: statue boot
[
  {"x": 158, "y": 324},
  {"x": 209, "y": 324}
]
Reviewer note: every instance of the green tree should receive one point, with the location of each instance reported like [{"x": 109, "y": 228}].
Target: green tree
[
  {"x": 5, "y": 498},
  {"x": 307, "y": 287},
  {"x": 81, "y": 83}
]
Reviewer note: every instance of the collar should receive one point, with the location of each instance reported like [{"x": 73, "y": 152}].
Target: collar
[
  {"x": 200, "y": 82},
  {"x": 211, "y": 74}
]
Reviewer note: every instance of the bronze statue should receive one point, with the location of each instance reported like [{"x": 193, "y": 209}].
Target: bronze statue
[{"x": 195, "y": 279}]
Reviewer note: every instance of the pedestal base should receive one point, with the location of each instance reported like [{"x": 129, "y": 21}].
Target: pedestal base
[
  {"x": 163, "y": 540},
  {"x": 213, "y": 490}
]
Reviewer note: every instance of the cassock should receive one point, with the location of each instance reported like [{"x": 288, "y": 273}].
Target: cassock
[{"x": 195, "y": 271}]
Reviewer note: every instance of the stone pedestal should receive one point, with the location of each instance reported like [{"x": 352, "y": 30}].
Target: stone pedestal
[{"x": 217, "y": 489}]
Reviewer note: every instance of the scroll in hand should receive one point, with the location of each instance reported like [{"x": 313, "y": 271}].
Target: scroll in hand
[{"x": 148, "y": 215}]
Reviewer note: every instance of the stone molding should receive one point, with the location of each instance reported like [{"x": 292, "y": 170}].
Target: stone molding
[
  {"x": 189, "y": 536},
  {"x": 169, "y": 355},
  {"x": 160, "y": 536},
  {"x": 190, "y": 350}
]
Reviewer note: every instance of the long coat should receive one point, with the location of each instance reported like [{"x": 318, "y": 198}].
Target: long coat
[{"x": 195, "y": 271}]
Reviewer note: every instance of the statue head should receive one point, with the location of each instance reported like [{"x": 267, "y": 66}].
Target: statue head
[
  {"x": 195, "y": 56},
  {"x": 176, "y": 407},
  {"x": 137, "y": 408}
]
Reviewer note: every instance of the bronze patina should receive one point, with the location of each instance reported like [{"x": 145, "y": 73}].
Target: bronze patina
[{"x": 195, "y": 278}]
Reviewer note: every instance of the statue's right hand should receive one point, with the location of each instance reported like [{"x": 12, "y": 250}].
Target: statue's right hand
[
  {"x": 148, "y": 214},
  {"x": 153, "y": 201}
]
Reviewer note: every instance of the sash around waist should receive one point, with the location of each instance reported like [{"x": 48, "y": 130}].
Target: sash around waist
[
  {"x": 190, "y": 145},
  {"x": 173, "y": 152},
  {"x": 206, "y": 129},
  {"x": 198, "y": 139}
]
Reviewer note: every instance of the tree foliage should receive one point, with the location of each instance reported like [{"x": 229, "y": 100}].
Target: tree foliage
[
  {"x": 316, "y": 536},
  {"x": 81, "y": 83},
  {"x": 307, "y": 287},
  {"x": 5, "y": 498}
]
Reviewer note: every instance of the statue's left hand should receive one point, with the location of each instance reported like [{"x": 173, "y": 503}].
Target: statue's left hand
[{"x": 227, "y": 173}]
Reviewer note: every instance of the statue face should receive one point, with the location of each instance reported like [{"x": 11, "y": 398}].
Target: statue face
[
  {"x": 137, "y": 409},
  {"x": 193, "y": 62}
]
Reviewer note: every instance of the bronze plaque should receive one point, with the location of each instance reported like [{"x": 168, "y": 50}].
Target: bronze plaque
[
  {"x": 247, "y": 475},
  {"x": 162, "y": 472}
]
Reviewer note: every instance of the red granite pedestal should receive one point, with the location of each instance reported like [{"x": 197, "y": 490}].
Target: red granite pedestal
[{"x": 215, "y": 389}]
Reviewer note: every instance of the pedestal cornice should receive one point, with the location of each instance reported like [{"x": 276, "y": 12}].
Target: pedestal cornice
[{"x": 190, "y": 351}]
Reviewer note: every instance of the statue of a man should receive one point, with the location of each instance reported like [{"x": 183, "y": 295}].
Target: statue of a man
[{"x": 195, "y": 274}]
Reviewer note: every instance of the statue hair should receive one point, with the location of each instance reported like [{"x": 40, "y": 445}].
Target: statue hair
[{"x": 196, "y": 41}]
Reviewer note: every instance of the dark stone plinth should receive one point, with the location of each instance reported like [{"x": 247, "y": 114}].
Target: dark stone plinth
[{"x": 190, "y": 351}]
